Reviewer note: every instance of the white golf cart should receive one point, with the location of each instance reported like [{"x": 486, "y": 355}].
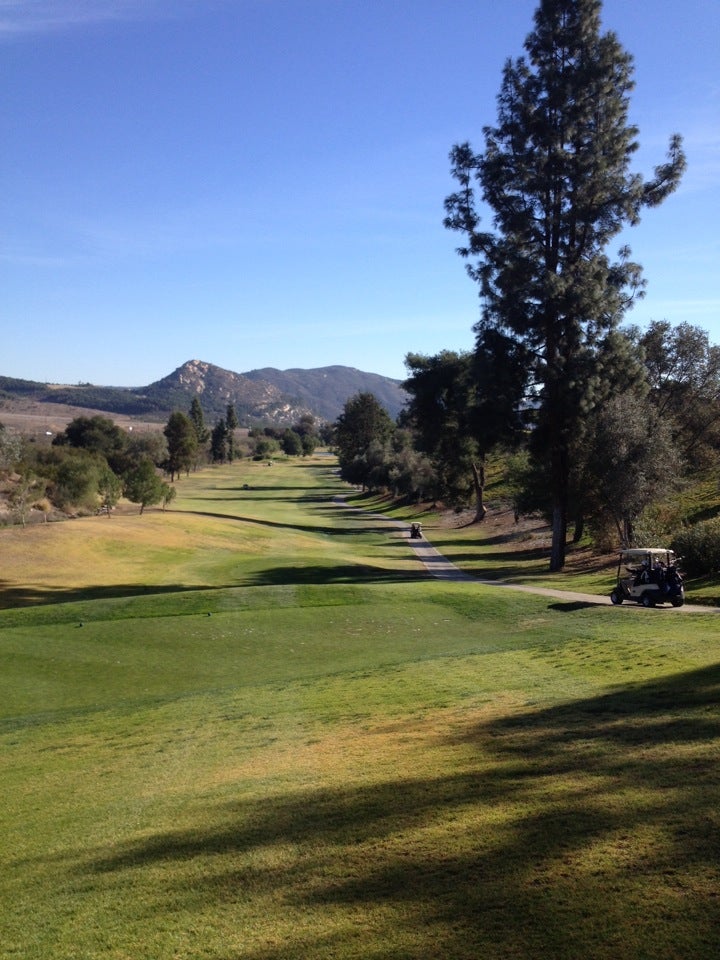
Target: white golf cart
[{"x": 650, "y": 576}]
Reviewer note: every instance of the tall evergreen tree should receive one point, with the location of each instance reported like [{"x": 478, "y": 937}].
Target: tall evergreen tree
[
  {"x": 198, "y": 421},
  {"x": 363, "y": 421},
  {"x": 441, "y": 413},
  {"x": 218, "y": 442},
  {"x": 556, "y": 175},
  {"x": 232, "y": 423},
  {"x": 182, "y": 444}
]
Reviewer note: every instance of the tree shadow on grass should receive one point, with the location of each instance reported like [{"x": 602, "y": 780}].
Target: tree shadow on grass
[
  {"x": 345, "y": 531},
  {"x": 586, "y": 830},
  {"x": 336, "y": 573},
  {"x": 514, "y": 557},
  {"x": 572, "y": 606},
  {"x": 12, "y": 596}
]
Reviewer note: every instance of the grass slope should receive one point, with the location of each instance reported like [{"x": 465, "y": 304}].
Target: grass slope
[{"x": 251, "y": 728}]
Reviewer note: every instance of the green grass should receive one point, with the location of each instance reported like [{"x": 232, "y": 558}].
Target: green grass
[{"x": 251, "y": 728}]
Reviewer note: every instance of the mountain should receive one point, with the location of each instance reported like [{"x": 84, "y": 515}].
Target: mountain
[
  {"x": 325, "y": 389},
  {"x": 266, "y": 396}
]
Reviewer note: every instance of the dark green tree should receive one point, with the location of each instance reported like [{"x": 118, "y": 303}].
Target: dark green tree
[
  {"x": 76, "y": 480},
  {"x": 168, "y": 495},
  {"x": 150, "y": 444},
  {"x": 291, "y": 443},
  {"x": 144, "y": 486},
  {"x": 309, "y": 442},
  {"x": 556, "y": 175},
  {"x": 218, "y": 442},
  {"x": 461, "y": 406},
  {"x": 364, "y": 420},
  {"x": 439, "y": 411},
  {"x": 615, "y": 374},
  {"x": 306, "y": 425},
  {"x": 98, "y": 435},
  {"x": 182, "y": 444},
  {"x": 198, "y": 421},
  {"x": 411, "y": 474},
  {"x": 232, "y": 423},
  {"x": 306, "y": 428}
]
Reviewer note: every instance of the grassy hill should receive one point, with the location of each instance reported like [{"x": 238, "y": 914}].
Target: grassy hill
[{"x": 252, "y": 727}]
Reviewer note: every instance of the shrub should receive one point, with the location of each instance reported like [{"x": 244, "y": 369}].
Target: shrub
[
  {"x": 699, "y": 546},
  {"x": 76, "y": 482}
]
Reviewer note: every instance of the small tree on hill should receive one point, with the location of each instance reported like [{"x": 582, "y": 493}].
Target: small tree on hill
[{"x": 144, "y": 486}]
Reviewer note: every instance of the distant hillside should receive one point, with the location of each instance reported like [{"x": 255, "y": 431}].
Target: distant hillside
[
  {"x": 325, "y": 389},
  {"x": 266, "y": 396}
]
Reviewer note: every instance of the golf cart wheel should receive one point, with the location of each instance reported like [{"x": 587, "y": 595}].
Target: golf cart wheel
[
  {"x": 616, "y": 597},
  {"x": 677, "y": 601},
  {"x": 647, "y": 600}
]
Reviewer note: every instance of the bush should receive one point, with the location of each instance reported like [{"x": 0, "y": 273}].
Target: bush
[
  {"x": 699, "y": 547},
  {"x": 76, "y": 482},
  {"x": 265, "y": 447}
]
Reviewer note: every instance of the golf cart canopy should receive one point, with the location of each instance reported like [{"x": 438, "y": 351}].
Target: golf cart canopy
[{"x": 650, "y": 554}]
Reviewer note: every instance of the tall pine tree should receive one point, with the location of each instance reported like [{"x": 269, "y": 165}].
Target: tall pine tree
[
  {"x": 232, "y": 423},
  {"x": 556, "y": 175}
]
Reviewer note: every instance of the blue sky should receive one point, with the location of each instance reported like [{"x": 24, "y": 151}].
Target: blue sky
[{"x": 260, "y": 182}]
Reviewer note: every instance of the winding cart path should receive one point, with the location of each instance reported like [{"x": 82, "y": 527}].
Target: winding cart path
[{"x": 438, "y": 566}]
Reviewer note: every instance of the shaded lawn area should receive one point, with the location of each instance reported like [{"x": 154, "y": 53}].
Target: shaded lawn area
[{"x": 578, "y": 830}]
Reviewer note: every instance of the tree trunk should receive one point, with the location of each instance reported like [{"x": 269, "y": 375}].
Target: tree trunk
[
  {"x": 478, "y": 472},
  {"x": 628, "y": 531},
  {"x": 559, "y": 471},
  {"x": 559, "y": 534},
  {"x": 579, "y": 528}
]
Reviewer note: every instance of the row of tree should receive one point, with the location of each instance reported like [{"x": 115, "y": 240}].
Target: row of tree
[
  {"x": 551, "y": 363},
  {"x": 88, "y": 466},
  {"x": 657, "y": 430},
  {"x": 93, "y": 462}
]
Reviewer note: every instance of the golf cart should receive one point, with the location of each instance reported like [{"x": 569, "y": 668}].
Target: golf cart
[{"x": 650, "y": 576}]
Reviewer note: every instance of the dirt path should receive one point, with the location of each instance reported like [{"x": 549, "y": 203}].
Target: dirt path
[{"x": 441, "y": 568}]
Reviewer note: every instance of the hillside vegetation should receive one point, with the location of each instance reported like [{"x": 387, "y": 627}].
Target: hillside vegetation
[{"x": 251, "y": 726}]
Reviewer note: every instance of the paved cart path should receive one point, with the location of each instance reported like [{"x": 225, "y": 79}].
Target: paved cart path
[{"x": 440, "y": 567}]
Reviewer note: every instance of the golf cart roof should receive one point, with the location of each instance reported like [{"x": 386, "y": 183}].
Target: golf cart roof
[{"x": 641, "y": 553}]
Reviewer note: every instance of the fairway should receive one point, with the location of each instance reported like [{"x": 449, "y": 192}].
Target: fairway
[{"x": 253, "y": 728}]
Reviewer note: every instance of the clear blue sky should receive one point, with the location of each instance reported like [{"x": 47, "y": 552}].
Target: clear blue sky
[{"x": 261, "y": 182}]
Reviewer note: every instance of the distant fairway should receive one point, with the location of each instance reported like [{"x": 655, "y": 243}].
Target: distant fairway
[{"x": 252, "y": 727}]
